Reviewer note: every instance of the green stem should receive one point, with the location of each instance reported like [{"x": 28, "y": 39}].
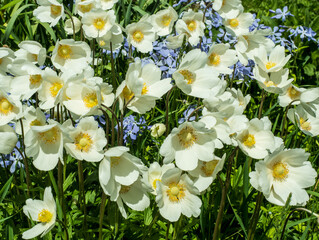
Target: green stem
[
  {"x": 102, "y": 209},
  {"x": 255, "y": 217},
  {"x": 82, "y": 192},
  {"x": 260, "y": 111},
  {"x": 167, "y": 110}
]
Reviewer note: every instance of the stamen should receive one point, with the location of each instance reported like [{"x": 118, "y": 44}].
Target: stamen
[
  {"x": 35, "y": 79},
  {"x": 187, "y": 137},
  {"x": 127, "y": 94},
  {"x": 166, "y": 20},
  {"x": 64, "y": 51},
  {"x": 45, "y": 216},
  {"x": 90, "y": 100},
  {"x": 214, "y": 59},
  {"x": 55, "y": 10},
  {"x": 51, "y": 136},
  {"x": 280, "y": 171},
  {"x": 5, "y": 106},
  {"x": 209, "y": 167},
  {"x": 270, "y": 65},
  {"x": 233, "y": 22},
  {"x": 191, "y": 25},
  {"x": 138, "y": 36},
  {"x": 249, "y": 140},
  {"x": 188, "y": 75},
  {"x": 99, "y": 23},
  {"x": 175, "y": 192},
  {"x": 83, "y": 142},
  {"x": 145, "y": 89},
  {"x": 55, "y": 88},
  {"x": 155, "y": 181}
]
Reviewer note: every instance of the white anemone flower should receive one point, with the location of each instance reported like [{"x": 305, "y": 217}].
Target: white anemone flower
[
  {"x": 274, "y": 82},
  {"x": 97, "y": 22},
  {"x": 240, "y": 24},
  {"x": 10, "y": 108},
  {"x": 163, "y": 21},
  {"x": 106, "y": 4},
  {"x": 291, "y": 95},
  {"x": 43, "y": 212},
  {"x": 228, "y": 8},
  {"x": 220, "y": 58},
  {"x": 31, "y": 117},
  {"x": 68, "y": 26},
  {"x": 187, "y": 144},
  {"x": 176, "y": 195},
  {"x": 69, "y": 54},
  {"x": 88, "y": 141},
  {"x": 8, "y": 139},
  {"x": 155, "y": 173},
  {"x": 309, "y": 100},
  {"x": 174, "y": 42},
  {"x": 308, "y": 124},
  {"x": 31, "y": 51},
  {"x": 284, "y": 172},
  {"x": 50, "y": 11},
  {"x": 45, "y": 145},
  {"x": 206, "y": 172},
  {"x": 6, "y": 57},
  {"x": 114, "y": 37},
  {"x": 257, "y": 140},
  {"x": 192, "y": 25},
  {"x": 141, "y": 35},
  {"x": 276, "y": 60},
  {"x": 193, "y": 78},
  {"x": 84, "y": 6}
]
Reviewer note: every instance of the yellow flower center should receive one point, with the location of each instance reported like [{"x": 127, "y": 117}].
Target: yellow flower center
[
  {"x": 99, "y": 23},
  {"x": 175, "y": 192},
  {"x": 127, "y": 94},
  {"x": 5, "y": 106},
  {"x": 115, "y": 161},
  {"x": 55, "y": 10},
  {"x": 144, "y": 89},
  {"x": 138, "y": 36},
  {"x": 124, "y": 189},
  {"x": 270, "y": 65},
  {"x": 36, "y": 122},
  {"x": 269, "y": 83},
  {"x": 85, "y": 7},
  {"x": 90, "y": 100},
  {"x": 293, "y": 93},
  {"x": 35, "y": 79},
  {"x": 209, "y": 167},
  {"x": 55, "y": 88},
  {"x": 249, "y": 140},
  {"x": 0, "y": 61},
  {"x": 233, "y": 22},
  {"x": 51, "y": 136},
  {"x": 34, "y": 57},
  {"x": 187, "y": 137},
  {"x": 102, "y": 43},
  {"x": 45, "y": 216},
  {"x": 280, "y": 171},
  {"x": 214, "y": 59},
  {"x": 83, "y": 142},
  {"x": 166, "y": 20},
  {"x": 188, "y": 75},
  {"x": 304, "y": 124},
  {"x": 155, "y": 181},
  {"x": 64, "y": 51},
  {"x": 191, "y": 25}
]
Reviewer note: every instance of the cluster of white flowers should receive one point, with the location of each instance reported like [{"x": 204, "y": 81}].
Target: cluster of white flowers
[{"x": 70, "y": 90}]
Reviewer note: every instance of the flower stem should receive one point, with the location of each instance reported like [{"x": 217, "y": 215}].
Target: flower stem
[
  {"x": 260, "y": 111},
  {"x": 102, "y": 209},
  {"x": 255, "y": 217},
  {"x": 82, "y": 192},
  {"x": 167, "y": 110}
]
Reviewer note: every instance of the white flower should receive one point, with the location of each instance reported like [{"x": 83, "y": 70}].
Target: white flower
[
  {"x": 276, "y": 60},
  {"x": 176, "y": 195},
  {"x": 158, "y": 129},
  {"x": 193, "y": 78},
  {"x": 240, "y": 24},
  {"x": 174, "y": 42},
  {"x": 291, "y": 94},
  {"x": 192, "y": 25},
  {"x": 8, "y": 139},
  {"x": 6, "y": 57},
  {"x": 141, "y": 35},
  {"x": 32, "y": 117},
  {"x": 97, "y": 22},
  {"x": 163, "y": 21},
  {"x": 113, "y": 36},
  {"x": 187, "y": 144},
  {"x": 88, "y": 141},
  {"x": 69, "y": 54},
  {"x": 84, "y": 6},
  {"x": 106, "y": 4},
  {"x": 228, "y": 8},
  {"x": 50, "y": 11},
  {"x": 40, "y": 211},
  {"x": 10, "y": 108},
  {"x": 220, "y": 58},
  {"x": 31, "y": 51},
  {"x": 68, "y": 26},
  {"x": 284, "y": 172}
]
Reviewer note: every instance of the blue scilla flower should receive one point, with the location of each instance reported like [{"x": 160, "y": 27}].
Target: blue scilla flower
[
  {"x": 13, "y": 160},
  {"x": 186, "y": 114},
  {"x": 281, "y": 14}
]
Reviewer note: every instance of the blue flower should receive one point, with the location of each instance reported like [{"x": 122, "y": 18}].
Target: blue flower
[
  {"x": 281, "y": 14},
  {"x": 187, "y": 113}
]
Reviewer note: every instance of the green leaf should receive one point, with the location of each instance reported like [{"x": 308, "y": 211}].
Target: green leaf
[
  {"x": 139, "y": 10},
  {"x": 315, "y": 24},
  {"x": 10, "y": 4},
  {"x": 310, "y": 69},
  {"x": 50, "y": 30},
  {"x": 5, "y": 189},
  {"x": 313, "y": 193}
]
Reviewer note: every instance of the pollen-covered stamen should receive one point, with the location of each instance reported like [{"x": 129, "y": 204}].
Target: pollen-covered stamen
[
  {"x": 1, "y": 61},
  {"x": 305, "y": 125},
  {"x": 270, "y": 83},
  {"x": 280, "y": 171},
  {"x": 99, "y": 23},
  {"x": 188, "y": 75},
  {"x": 127, "y": 94},
  {"x": 45, "y": 216},
  {"x": 293, "y": 93},
  {"x": 5, "y": 106},
  {"x": 249, "y": 140},
  {"x": 55, "y": 88},
  {"x": 83, "y": 142},
  {"x": 187, "y": 137},
  {"x": 85, "y": 7},
  {"x": 51, "y": 136},
  {"x": 36, "y": 122},
  {"x": 138, "y": 36},
  {"x": 55, "y": 10},
  {"x": 209, "y": 167},
  {"x": 144, "y": 89},
  {"x": 34, "y": 57},
  {"x": 35, "y": 79},
  {"x": 124, "y": 189},
  {"x": 64, "y": 51},
  {"x": 102, "y": 43},
  {"x": 90, "y": 100},
  {"x": 270, "y": 65},
  {"x": 175, "y": 192},
  {"x": 191, "y": 25},
  {"x": 214, "y": 59},
  {"x": 155, "y": 181},
  {"x": 233, "y": 22},
  {"x": 115, "y": 161},
  {"x": 166, "y": 20}
]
